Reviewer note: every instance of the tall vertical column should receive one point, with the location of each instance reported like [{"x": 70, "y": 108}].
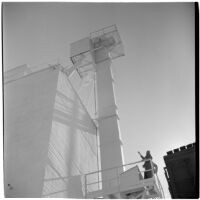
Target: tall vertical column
[
  {"x": 110, "y": 143},
  {"x": 99, "y": 48}
]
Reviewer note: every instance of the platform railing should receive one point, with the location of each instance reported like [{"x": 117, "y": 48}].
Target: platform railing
[
  {"x": 160, "y": 186},
  {"x": 94, "y": 184}
]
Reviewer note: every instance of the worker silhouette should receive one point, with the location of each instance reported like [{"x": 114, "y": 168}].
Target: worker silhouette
[{"x": 147, "y": 165}]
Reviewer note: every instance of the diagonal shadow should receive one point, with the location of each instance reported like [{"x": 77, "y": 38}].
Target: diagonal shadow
[{"x": 70, "y": 119}]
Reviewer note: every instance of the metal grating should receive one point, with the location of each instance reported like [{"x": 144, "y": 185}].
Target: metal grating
[{"x": 108, "y": 38}]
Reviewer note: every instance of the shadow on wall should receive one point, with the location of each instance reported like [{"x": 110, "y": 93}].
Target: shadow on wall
[
  {"x": 72, "y": 146},
  {"x": 71, "y": 112}
]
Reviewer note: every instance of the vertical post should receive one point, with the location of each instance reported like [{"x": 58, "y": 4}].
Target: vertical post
[
  {"x": 99, "y": 49},
  {"x": 85, "y": 177},
  {"x": 118, "y": 180},
  {"x": 109, "y": 132},
  {"x": 152, "y": 168},
  {"x": 109, "y": 136}
]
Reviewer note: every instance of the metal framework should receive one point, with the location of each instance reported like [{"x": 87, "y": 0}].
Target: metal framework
[
  {"x": 136, "y": 188},
  {"x": 93, "y": 54},
  {"x": 107, "y": 38}
]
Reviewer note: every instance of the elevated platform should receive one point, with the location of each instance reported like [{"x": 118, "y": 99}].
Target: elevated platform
[
  {"x": 129, "y": 184},
  {"x": 82, "y": 52}
]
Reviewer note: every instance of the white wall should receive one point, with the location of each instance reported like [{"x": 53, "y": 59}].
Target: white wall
[
  {"x": 28, "y": 106},
  {"x": 73, "y": 144},
  {"x": 48, "y": 137}
]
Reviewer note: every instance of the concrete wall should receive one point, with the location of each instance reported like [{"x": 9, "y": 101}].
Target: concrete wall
[
  {"x": 73, "y": 144},
  {"x": 28, "y": 107},
  {"x": 49, "y": 139}
]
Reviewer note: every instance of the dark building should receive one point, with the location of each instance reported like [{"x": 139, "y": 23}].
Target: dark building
[{"x": 180, "y": 172}]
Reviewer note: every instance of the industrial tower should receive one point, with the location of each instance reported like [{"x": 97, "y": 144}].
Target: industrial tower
[
  {"x": 51, "y": 143},
  {"x": 95, "y": 54}
]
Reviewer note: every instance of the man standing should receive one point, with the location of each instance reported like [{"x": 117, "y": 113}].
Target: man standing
[{"x": 147, "y": 165}]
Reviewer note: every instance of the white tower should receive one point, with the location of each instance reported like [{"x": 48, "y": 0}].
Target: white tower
[
  {"x": 94, "y": 54},
  {"x": 50, "y": 142}
]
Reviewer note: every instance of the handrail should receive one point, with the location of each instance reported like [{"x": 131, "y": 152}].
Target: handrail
[
  {"x": 160, "y": 185},
  {"x": 102, "y": 29},
  {"x": 117, "y": 177},
  {"x": 118, "y": 166},
  {"x": 113, "y": 178}
]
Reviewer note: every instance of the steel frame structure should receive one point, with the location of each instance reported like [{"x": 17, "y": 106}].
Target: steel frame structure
[{"x": 143, "y": 188}]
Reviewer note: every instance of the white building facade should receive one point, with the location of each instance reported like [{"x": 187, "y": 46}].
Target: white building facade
[{"x": 50, "y": 140}]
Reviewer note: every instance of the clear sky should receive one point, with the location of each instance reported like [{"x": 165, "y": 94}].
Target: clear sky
[{"x": 154, "y": 81}]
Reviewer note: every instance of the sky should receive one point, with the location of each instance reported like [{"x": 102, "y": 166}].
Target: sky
[{"x": 154, "y": 81}]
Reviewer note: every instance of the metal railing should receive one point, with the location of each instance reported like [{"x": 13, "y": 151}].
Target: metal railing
[
  {"x": 94, "y": 181},
  {"x": 103, "y": 31}
]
